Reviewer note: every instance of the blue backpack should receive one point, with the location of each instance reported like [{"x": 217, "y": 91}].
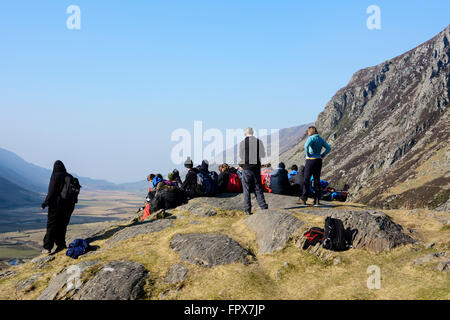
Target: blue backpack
[
  {"x": 77, "y": 248},
  {"x": 207, "y": 182}
]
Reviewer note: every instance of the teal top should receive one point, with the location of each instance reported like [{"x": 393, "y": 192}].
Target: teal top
[{"x": 314, "y": 145}]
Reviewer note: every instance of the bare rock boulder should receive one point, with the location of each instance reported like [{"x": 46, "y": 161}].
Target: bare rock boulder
[
  {"x": 177, "y": 273},
  {"x": 375, "y": 230},
  {"x": 208, "y": 249},
  {"x": 273, "y": 229},
  {"x": 65, "y": 282},
  {"x": 117, "y": 280}
]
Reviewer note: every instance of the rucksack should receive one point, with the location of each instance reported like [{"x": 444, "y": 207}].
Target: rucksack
[
  {"x": 77, "y": 248},
  {"x": 71, "y": 189},
  {"x": 334, "y": 238},
  {"x": 207, "y": 183},
  {"x": 234, "y": 183},
  {"x": 167, "y": 199},
  {"x": 313, "y": 236}
]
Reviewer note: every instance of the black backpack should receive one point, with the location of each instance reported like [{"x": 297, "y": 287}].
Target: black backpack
[
  {"x": 334, "y": 238},
  {"x": 168, "y": 199},
  {"x": 71, "y": 189}
]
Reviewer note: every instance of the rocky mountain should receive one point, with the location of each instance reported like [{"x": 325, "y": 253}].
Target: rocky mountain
[{"x": 389, "y": 129}]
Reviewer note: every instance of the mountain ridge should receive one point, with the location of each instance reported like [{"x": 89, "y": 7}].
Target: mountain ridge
[{"x": 389, "y": 121}]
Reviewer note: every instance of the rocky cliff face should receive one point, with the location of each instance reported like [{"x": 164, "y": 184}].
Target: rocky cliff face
[{"x": 389, "y": 129}]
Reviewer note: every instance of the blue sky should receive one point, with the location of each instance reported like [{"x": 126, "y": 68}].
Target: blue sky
[{"x": 105, "y": 99}]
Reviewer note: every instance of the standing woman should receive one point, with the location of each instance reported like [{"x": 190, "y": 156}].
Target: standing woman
[
  {"x": 313, "y": 165},
  {"x": 59, "y": 210}
]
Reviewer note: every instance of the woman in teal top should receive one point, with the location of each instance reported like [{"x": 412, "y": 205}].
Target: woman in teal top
[{"x": 313, "y": 165}]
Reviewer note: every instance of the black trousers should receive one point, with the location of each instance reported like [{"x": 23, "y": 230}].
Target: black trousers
[
  {"x": 313, "y": 167},
  {"x": 251, "y": 181},
  {"x": 57, "y": 221}
]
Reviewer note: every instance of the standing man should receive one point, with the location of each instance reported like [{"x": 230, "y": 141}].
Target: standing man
[
  {"x": 313, "y": 165},
  {"x": 251, "y": 150}
]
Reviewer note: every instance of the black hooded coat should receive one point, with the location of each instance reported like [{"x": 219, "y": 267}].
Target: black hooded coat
[{"x": 59, "y": 210}]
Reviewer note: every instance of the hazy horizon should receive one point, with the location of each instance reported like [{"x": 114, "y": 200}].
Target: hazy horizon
[{"x": 105, "y": 99}]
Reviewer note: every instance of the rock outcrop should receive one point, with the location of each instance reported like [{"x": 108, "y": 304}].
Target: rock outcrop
[
  {"x": 65, "y": 282},
  {"x": 141, "y": 228},
  {"x": 208, "y": 249},
  {"x": 177, "y": 273},
  {"x": 375, "y": 230},
  {"x": 273, "y": 229},
  {"x": 391, "y": 123},
  {"x": 117, "y": 280}
]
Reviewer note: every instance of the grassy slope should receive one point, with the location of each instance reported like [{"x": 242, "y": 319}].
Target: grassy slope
[{"x": 306, "y": 277}]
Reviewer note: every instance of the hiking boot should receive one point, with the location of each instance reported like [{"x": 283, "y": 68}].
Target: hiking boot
[
  {"x": 247, "y": 213},
  {"x": 46, "y": 251},
  {"x": 301, "y": 201}
]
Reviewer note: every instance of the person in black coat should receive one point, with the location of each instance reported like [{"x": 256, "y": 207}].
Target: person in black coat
[
  {"x": 59, "y": 210},
  {"x": 223, "y": 178},
  {"x": 279, "y": 182},
  {"x": 189, "y": 184}
]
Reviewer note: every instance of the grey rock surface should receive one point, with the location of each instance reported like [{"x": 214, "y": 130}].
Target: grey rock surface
[
  {"x": 443, "y": 266},
  {"x": 208, "y": 249},
  {"x": 375, "y": 230},
  {"x": 273, "y": 229},
  {"x": 42, "y": 261},
  {"x": 145, "y": 227},
  {"x": 7, "y": 274},
  {"x": 177, "y": 273},
  {"x": 117, "y": 280},
  {"x": 428, "y": 258},
  {"x": 209, "y": 206},
  {"x": 27, "y": 284},
  {"x": 65, "y": 281}
]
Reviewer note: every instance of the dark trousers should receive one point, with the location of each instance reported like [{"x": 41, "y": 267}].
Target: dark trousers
[
  {"x": 251, "y": 181},
  {"x": 313, "y": 167},
  {"x": 57, "y": 221}
]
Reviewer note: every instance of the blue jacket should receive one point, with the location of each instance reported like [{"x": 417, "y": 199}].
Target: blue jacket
[
  {"x": 292, "y": 173},
  {"x": 314, "y": 145}
]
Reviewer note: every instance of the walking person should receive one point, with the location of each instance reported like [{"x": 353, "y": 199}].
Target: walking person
[
  {"x": 59, "y": 210},
  {"x": 251, "y": 150},
  {"x": 313, "y": 165}
]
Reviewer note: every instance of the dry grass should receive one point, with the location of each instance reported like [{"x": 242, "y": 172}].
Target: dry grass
[{"x": 306, "y": 276}]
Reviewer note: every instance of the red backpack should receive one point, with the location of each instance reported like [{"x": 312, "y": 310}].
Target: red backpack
[{"x": 234, "y": 183}]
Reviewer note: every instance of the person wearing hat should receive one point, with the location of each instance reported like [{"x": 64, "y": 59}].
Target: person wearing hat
[
  {"x": 189, "y": 184},
  {"x": 251, "y": 150}
]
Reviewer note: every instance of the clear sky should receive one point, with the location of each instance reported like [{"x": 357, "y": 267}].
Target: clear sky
[{"x": 106, "y": 98}]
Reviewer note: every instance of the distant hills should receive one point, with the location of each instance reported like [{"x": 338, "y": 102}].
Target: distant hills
[{"x": 23, "y": 183}]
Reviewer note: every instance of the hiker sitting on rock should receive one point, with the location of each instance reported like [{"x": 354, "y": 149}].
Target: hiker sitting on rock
[
  {"x": 296, "y": 181},
  {"x": 222, "y": 180},
  {"x": 279, "y": 182},
  {"x": 189, "y": 184}
]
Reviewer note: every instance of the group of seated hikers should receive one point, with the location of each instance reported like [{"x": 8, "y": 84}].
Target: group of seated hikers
[{"x": 200, "y": 182}]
